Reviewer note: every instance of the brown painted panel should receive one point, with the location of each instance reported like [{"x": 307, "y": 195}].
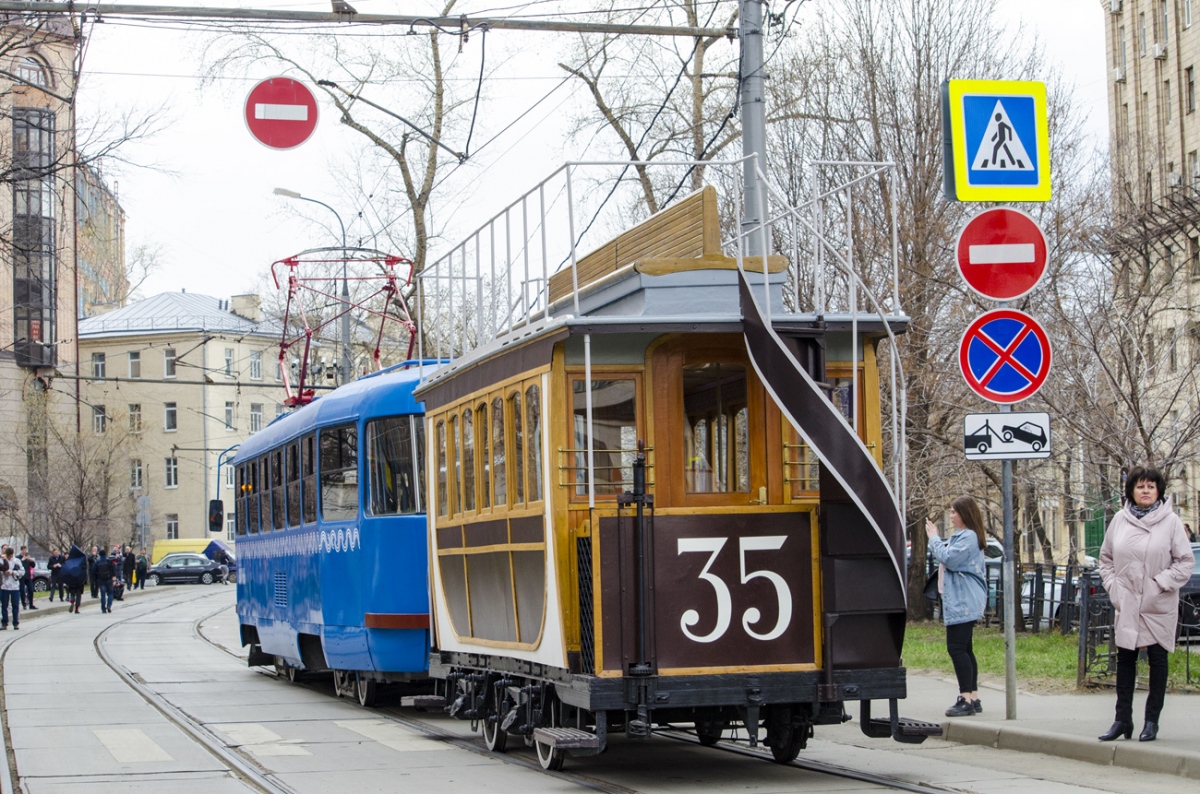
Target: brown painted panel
[
  {"x": 489, "y": 576},
  {"x": 699, "y": 622},
  {"x": 449, "y": 537},
  {"x": 454, "y": 587},
  {"x": 529, "y": 529},
  {"x": 393, "y": 620},
  {"x": 530, "y": 568},
  {"x": 487, "y": 533}
]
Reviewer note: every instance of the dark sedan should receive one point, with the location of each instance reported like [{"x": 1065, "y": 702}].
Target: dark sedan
[{"x": 184, "y": 568}]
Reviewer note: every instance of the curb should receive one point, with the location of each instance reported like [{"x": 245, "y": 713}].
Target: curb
[
  {"x": 47, "y": 609},
  {"x": 1120, "y": 753}
]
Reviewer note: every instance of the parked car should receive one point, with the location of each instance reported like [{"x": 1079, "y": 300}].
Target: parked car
[
  {"x": 41, "y": 578},
  {"x": 183, "y": 567},
  {"x": 1189, "y": 599}
]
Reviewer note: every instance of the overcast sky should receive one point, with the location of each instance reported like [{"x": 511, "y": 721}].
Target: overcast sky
[{"x": 208, "y": 202}]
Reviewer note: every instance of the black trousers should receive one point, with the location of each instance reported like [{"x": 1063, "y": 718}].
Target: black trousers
[
  {"x": 962, "y": 654},
  {"x": 56, "y": 584},
  {"x": 1127, "y": 682}
]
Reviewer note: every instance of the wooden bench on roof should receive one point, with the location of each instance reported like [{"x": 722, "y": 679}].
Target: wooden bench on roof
[{"x": 684, "y": 236}]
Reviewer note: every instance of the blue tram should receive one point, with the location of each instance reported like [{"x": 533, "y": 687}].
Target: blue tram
[{"x": 332, "y": 537}]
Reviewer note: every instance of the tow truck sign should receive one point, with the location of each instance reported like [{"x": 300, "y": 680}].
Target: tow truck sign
[{"x": 1006, "y": 436}]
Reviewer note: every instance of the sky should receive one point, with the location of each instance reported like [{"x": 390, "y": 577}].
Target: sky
[{"x": 200, "y": 191}]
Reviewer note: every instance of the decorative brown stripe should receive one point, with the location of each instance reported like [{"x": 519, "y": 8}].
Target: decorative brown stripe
[
  {"x": 387, "y": 620},
  {"x": 527, "y": 529},
  {"x": 450, "y": 537},
  {"x": 486, "y": 533},
  {"x": 489, "y": 371}
]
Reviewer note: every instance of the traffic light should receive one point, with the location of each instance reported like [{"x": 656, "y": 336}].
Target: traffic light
[{"x": 216, "y": 515}]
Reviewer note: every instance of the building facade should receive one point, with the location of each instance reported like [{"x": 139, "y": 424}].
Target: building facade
[
  {"x": 1153, "y": 50},
  {"x": 180, "y": 379},
  {"x": 100, "y": 245}
]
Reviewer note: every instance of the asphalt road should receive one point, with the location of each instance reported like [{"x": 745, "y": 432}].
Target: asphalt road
[{"x": 73, "y": 720}]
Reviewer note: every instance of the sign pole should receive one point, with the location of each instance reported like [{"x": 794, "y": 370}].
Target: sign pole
[{"x": 1010, "y": 595}]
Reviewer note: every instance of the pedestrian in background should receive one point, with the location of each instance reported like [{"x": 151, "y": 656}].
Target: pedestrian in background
[
  {"x": 27, "y": 580},
  {"x": 75, "y": 576},
  {"x": 105, "y": 574},
  {"x": 1191, "y": 535},
  {"x": 11, "y": 571},
  {"x": 55, "y": 564},
  {"x": 129, "y": 565},
  {"x": 1145, "y": 559},
  {"x": 91, "y": 567},
  {"x": 963, "y": 590},
  {"x": 143, "y": 565}
]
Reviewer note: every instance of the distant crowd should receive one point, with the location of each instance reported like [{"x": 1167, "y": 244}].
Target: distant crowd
[{"x": 106, "y": 573}]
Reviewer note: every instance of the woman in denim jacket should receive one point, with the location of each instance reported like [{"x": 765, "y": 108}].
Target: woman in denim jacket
[{"x": 963, "y": 589}]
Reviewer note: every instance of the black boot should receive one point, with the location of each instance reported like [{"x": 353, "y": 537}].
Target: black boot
[
  {"x": 1149, "y": 733},
  {"x": 1118, "y": 729}
]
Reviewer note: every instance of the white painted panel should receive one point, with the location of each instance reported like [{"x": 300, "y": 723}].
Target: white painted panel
[{"x": 131, "y": 746}]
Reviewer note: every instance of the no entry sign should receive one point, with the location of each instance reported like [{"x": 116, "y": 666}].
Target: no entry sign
[
  {"x": 281, "y": 113},
  {"x": 1005, "y": 356},
  {"x": 1001, "y": 253}
]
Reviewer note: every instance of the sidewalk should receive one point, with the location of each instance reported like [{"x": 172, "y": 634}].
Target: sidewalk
[
  {"x": 56, "y": 607},
  {"x": 1064, "y": 725}
]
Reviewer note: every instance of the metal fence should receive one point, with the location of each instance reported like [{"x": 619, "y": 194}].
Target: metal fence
[{"x": 1047, "y": 598}]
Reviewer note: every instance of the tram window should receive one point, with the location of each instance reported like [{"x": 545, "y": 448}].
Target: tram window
[
  {"x": 240, "y": 499},
  {"x": 419, "y": 453},
  {"x": 293, "y": 484},
  {"x": 716, "y": 440},
  {"x": 468, "y": 460},
  {"x": 263, "y": 492},
  {"x": 390, "y": 467},
  {"x": 485, "y": 462},
  {"x": 278, "y": 494},
  {"x": 252, "y": 497},
  {"x": 499, "y": 444},
  {"x": 456, "y": 467},
  {"x": 614, "y": 427},
  {"x": 308, "y": 470},
  {"x": 339, "y": 473},
  {"x": 442, "y": 491},
  {"x": 518, "y": 475},
  {"x": 533, "y": 428}
]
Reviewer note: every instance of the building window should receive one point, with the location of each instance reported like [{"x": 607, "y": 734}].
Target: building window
[
  {"x": 1187, "y": 13},
  {"x": 278, "y": 410},
  {"x": 255, "y": 417},
  {"x": 278, "y": 372},
  {"x": 1190, "y": 74},
  {"x": 135, "y": 364},
  {"x": 135, "y": 474},
  {"x": 1142, "y": 34},
  {"x": 172, "y": 526},
  {"x": 1167, "y": 99},
  {"x": 1163, "y": 18},
  {"x": 1194, "y": 257},
  {"x": 135, "y": 417},
  {"x": 230, "y": 524},
  {"x": 169, "y": 362},
  {"x": 32, "y": 72},
  {"x": 229, "y": 362},
  {"x": 170, "y": 417},
  {"x": 99, "y": 420},
  {"x": 172, "y": 473},
  {"x": 229, "y": 416},
  {"x": 33, "y": 240},
  {"x": 228, "y": 476},
  {"x": 256, "y": 365},
  {"x": 1173, "y": 352},
  {"x": 98, "y": 366}
]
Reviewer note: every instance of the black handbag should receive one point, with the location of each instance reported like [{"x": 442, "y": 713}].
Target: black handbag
[{"x": 931, "y": 588}]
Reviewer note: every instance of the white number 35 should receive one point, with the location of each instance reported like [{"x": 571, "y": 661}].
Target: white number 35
[{"x": 724, "y": 601}]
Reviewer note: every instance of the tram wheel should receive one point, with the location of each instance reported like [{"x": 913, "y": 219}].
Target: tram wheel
[
  {"x": 343, "y": 683},
  {"x": 495, "y": 738},
  {"x": 286, "y": 671},
  {"x": 786, "y": 740},
  {"x": 711, "y": 731},
  {"x": 551, "y": 758},
  {"x": 368, "y": 692}
]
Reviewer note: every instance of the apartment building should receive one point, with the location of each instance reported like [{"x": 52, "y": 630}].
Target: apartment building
[{"x": 183, "y": 378}]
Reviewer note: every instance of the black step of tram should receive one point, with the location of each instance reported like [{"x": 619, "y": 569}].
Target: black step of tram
[
  {"x": 567, "y": 738},
  {"x": 908, "y": 730},
  {"x": 423, "y": 701}
]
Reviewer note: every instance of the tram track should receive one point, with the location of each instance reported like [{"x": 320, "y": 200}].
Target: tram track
[{"x": 472, "y": 745}]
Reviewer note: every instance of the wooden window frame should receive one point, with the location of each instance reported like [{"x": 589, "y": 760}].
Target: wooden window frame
[{"x": 566, "y": 464}]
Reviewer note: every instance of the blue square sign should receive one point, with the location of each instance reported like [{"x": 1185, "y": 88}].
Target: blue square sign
[{"x": 997, "y": 140}]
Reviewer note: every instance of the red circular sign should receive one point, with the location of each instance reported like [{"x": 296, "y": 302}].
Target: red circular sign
[
  {"x": 1004, "y": 356},
  {"x": 281, "y": 113},
  {"x": 1001, "y": 253}
]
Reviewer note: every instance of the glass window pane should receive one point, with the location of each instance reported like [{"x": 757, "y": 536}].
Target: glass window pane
[
  {"x": 518, "y": 474},
  {"x": 614, "y": 426},
  {"x": 308, "y": 470},
  {"x": 533, "y": 428},
  {"x": 499, "y": 443},
  {"x": 390, "y": 470},
  {"x": 442, "y": 485},
  {"x": 714, "y": 395},
  {"x": 485, "y": 460},
  {"x": 339, "y": 473},
  {"x": 468, "y": 460}
]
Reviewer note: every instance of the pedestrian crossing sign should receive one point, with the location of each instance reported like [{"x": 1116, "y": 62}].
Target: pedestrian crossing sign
[{"x": 996, "y": 139}]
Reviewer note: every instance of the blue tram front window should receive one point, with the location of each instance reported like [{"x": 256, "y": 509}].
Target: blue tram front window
[
  {"x": 394, "y": 458},
  {"x": 339, "y": 473}
]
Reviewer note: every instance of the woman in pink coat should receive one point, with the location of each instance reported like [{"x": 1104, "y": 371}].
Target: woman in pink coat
[{"x": 1144, "y": 561}]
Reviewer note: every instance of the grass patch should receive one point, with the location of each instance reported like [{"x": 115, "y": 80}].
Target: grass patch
[{"x": 1046, "y": 660}]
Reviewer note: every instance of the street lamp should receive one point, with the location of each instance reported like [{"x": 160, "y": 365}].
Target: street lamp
[{"x": 345, "y": 324}]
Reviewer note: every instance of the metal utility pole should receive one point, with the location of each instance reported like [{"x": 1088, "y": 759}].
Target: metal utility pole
[{"x": 754, "y": 121}]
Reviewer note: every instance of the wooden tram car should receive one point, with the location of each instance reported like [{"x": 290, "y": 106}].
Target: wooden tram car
[{"x": 626, "y": 529}]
